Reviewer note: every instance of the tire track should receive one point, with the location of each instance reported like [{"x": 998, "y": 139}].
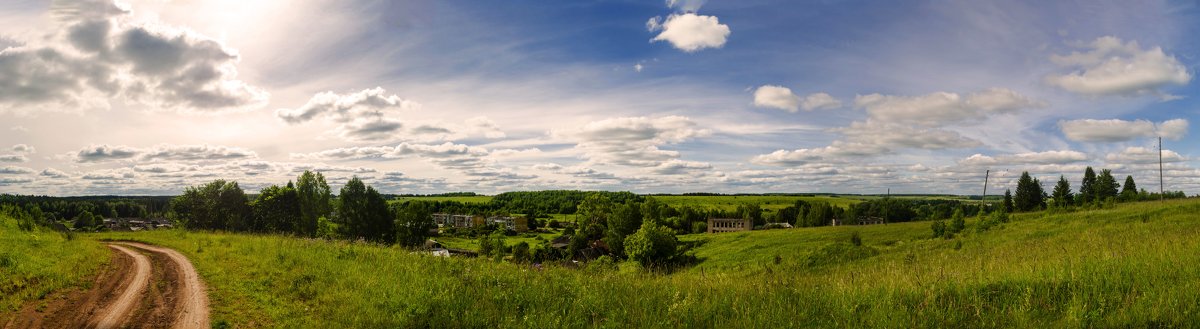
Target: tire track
[
  {"x": 116, "y": 313},
  {"x": 193, "y": 300}
]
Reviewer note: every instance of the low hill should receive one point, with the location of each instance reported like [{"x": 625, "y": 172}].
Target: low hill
[{"x": 1134, "y": 265}]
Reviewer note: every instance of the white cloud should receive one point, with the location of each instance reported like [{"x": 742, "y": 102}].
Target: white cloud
[
  {"x": 782, "y": 98},
  {"x": 687, "y": 6},
  {"x": 54, "y": 173},
  {"x": 444, "y": 150},
  {"x": 680, "y": 167},
  {"x": 161, "y": 152},
  {"x": 14, "y": 170},
  {"x": 103, "y": 153},
  {"x": 891, "y": 135},
  {"x": 1117, "y": 130},
  {"x": 13, "y": 158},
  {"x": 1028, "y": 158},
  {"x": 942, "y": 108},
  {"x": 690, "y": 32},
  {"x": 22, "y": 148},
  {"x": 100, "y": 52},
  {"x": 1142, "y": 155},
  {"x": 633, "y": 141},
  {"x": 1111, "y": 67}
]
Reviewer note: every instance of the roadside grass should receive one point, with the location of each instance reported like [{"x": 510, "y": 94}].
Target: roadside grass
[
  {"x": 1135, "y": 265},
  {"x": 35, "y": 263}
]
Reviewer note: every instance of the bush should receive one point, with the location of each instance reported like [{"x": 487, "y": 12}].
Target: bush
[
  {"x": 651, "y": 244},
  {"x": 957, "y": 222},
  {"x": 855, "y": 239},
  {"x": 699, "y": 227},
  {"x": 520, "y": 253},
  {"x": 602, "y": 264},
  {"x": 939, "y": 228}
]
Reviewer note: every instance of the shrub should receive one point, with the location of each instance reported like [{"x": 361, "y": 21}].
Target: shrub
[
  {"x": 939, "y": 228},
  {"x": 651, "y": 244},
  {"x": 520, "y": 252},
  {"x": 855, "y": 239},
  {"x": 957, "y": 222}
]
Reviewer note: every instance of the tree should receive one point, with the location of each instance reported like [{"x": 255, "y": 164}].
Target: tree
[
  {"x": 1129, "y": 191},
  {"x": 1106, "y": 186},
  {"x": 85, "y": 221},
  {"x": 413, "y": 223},
  {"x": 1029, "y": 193},
  {"x": 751, "y": 211},
  {"x": 1062, "y": 193},
  {"x": 939, "y": 228},
  {"x": 652, "y": 244},
  {"x": 1087, "y": 189},
  {"x": 1008, "y": 201},
  {"x": 520, "y": 252},
  {"x": 315, "y": 200},
  {"x": 218, "y": 205},
  {"x": 276, "y": 210},
  {"x": 363, "y": 213},
  {"x": 958, "y": 221},
  {"x": 624, "y": 220}
]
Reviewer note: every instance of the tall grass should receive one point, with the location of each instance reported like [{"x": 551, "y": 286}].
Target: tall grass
[
  {"x": 35, "y": 263},
  {"x": 1136, "y": 265}
]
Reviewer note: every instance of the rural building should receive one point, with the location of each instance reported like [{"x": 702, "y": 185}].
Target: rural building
[
  {"x": 136, "y": 224},
  {"x": 717, "y": 225},
  {"x": 458, "y": 221},
  {"x": 519, "y": 224},
  {"x": 861, "y": 221}
]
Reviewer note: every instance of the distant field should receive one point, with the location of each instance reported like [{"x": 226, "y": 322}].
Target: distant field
[
  {"x": 767, "y": 202},
  {"x": 463, "y": 199},
  {"x": 473, "y": 243},
  {"x": 1132, "y": 266}
]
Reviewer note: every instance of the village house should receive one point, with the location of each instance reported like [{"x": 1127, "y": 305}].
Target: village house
[{"x": 717, "y": 225}]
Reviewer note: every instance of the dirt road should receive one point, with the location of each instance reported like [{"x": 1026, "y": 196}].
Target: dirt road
[{"x": 144, "y": 286}]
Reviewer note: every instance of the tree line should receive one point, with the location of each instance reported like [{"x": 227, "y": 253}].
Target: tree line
[
  {"x": 306, "y": 207},
  {"x": 1094, "y": 190}
]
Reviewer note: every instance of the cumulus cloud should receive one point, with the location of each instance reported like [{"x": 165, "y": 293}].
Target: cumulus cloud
[
  {"x": 942, "y": 108},
  {"x": 633, "y": 141},
  {"x": 162, "y": 152},
  {"x": 1143, "y": 155},
  {"x": 1113, "y": 67},
  {"x": 13, "y": 158},
  {"x": 782, "y": 98},
  {"x": 680, "y": 167},
  {"x": 690, "y": 32},
  {"x": 1029, "y": 158},
  {"x": 103, "y": 153},
  {"x": 14, "y": 170},
  {"x": 22, "y": 148},
  {"x": 886, "y": 136},
  {"x": 1117, "y": 130},
  {"x": 54, "y": 173},
  {"x": 100, "y": 52},
  {"x": 444, "y": 150}
]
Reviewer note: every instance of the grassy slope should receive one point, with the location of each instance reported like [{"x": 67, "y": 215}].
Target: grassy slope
[
  {"x": 1136, "y": 265},
  {"x": 731, "y": 202},
  {"x": 32, "y": 264}
]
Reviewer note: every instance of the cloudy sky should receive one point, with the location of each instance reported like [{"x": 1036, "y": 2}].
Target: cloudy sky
[{"x": 151, "y": 96}]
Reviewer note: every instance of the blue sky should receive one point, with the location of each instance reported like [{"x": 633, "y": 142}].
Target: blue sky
[{"x": 150, "y": 96}]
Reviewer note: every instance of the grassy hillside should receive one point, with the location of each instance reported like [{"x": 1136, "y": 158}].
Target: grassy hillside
[
  {"x": 731, "y": 202},
  {"x": 1135, "y": 265},
  {"x": 34, "y": 263}
]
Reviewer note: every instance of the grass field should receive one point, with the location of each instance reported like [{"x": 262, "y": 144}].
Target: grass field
[
  {"x": 1135, "y": 265},
  {"x": 473, "y": 243},
  {"x": 463, "y": 199},
  {"x": 34, "y": 263},
  {"x": 767, "y": 202}
]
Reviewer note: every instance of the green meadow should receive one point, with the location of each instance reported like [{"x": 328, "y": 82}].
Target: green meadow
[
  {"x": 767, "y": 202},
  {"x": 1135, "y": 265},
  {"x": 463, "y": 199},
  {"x": 35, "y": 263}
]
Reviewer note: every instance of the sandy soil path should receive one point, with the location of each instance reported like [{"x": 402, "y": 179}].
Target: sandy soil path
[
  {"x": 193, "y": 299},
  {"x": 115, "y": 313},
  {"x": 144, "y": 286}
]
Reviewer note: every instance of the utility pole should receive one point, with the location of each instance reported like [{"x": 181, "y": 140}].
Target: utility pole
[
  {"x": 985, "y": 182},
  {"x": 1161, "y": 195}
]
